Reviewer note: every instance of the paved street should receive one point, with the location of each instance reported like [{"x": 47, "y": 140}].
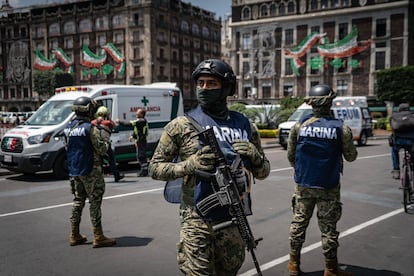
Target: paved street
[{"x": 34, "y": 219}]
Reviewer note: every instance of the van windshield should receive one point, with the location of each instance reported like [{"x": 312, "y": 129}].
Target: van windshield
[
  {"x": 299, "y": 114},
  {"x": 51, "y": 113}
]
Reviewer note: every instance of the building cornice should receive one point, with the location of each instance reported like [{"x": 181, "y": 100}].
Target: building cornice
[{"x": 322, "y": 14}]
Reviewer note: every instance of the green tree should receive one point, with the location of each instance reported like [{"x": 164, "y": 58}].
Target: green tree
[
  {"x": 45, "y": 82},
  {"x": 395, "y": 85}
]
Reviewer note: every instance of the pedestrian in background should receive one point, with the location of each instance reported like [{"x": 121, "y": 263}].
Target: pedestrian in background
[
  {"x": 201, "y": 250},
  {"x": 402, "y": 125},
  {"x": 140, "y": 137},
  {"x": 316, "y": 146},
  {"x": 85, "y": 147},
  {"x": 104, "y": 122}
]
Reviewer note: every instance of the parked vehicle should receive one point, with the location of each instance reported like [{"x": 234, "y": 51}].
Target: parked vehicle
[
  {"x": 38, "y": 144},
  {"x": 352, "y": 110}
]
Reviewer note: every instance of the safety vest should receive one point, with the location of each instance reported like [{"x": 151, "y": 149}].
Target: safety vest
[
  {"x": 79, "y": 148},
  {"x": 318, "y": 162},
  {"x": 236, "y": 127}
]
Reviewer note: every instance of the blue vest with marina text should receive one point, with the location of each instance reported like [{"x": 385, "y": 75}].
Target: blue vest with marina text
[
  {"x": 79, "y": 148},
  {"x": 318, "y": 162},
  {"x": 236, "y": 127}
]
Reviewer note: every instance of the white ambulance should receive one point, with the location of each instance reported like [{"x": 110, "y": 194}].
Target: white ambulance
[
  {"x": 37, "y": 145},
  {"x": 353, "y": 110}
]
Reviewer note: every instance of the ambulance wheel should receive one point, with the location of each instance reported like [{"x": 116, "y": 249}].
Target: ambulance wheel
[
  {"x": 363, "y": 139},
  {"x": 60, "y": 169}
]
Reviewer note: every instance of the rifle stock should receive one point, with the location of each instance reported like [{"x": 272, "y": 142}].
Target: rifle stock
[{"x": 227, "y": 186}]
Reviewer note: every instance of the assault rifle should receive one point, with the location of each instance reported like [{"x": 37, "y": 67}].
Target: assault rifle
[{"x": 226, "y": 193}]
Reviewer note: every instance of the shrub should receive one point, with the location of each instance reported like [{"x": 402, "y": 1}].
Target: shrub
[{"x": 268, "y": 133}]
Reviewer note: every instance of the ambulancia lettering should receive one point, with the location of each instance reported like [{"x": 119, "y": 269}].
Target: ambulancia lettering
[{"x": 318, "y": 132}]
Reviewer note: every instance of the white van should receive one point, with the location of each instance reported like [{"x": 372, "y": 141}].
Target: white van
[
  {"x": 37, "y": 145},
  {"x": 352, "y": 110}
]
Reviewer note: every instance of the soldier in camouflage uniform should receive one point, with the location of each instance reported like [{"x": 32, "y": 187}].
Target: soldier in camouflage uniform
[
  {"x": 85, "y": 146},
  {"x": 201, "y": 250},
  {"x": 315, "y": 149}
]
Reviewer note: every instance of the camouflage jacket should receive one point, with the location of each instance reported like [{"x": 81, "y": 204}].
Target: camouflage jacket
[{"x": 178, "y": 139}]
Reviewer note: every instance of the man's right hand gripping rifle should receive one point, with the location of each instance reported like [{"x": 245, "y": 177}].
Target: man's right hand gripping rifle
[{"x": 209, "y": 163}]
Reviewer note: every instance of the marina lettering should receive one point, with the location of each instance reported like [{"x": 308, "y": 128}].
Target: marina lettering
[{"x": 318, "y": 132}]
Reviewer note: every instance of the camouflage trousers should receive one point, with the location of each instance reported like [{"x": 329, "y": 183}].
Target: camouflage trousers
[
  {"x": 329, "y": 211},
  {"x": 202, "y": 251},
  {"x": 92, "y": 187}
]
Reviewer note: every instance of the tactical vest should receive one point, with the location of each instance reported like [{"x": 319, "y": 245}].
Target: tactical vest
[
  {"x": 318, "y": 162},
  {"x": 79, "y": 148},
  {"x": 237, "y": 127}
]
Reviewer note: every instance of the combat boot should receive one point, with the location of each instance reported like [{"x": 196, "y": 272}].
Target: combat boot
[
  {"x": 100, "y": 240},
  {"x": 118, "y": 176},
  {"x": 75, "y": 238},
  {"x": 293, "y": 265},
  {"x": 332, "y": 269}
]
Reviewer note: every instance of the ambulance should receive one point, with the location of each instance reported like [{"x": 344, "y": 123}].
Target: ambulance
[
  {"x": 38, "y": 144},
  {"x": 353, "y": 110}
]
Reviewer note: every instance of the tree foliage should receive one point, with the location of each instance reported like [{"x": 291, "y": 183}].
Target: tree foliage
[
  {"x": 396, "y": 85},
  {"x": 291, "y": 102},
  {"x": 45, "y": 82}
]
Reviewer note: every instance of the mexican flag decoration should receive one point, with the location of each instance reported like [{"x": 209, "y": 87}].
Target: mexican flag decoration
[
  {"x": 90, "y": 59},
  {"x": 348, "y": 46},
  {"x": 116, "y": 55},
  {"x": 63, "y": 57},
  {"x": 42, "y": 63}
]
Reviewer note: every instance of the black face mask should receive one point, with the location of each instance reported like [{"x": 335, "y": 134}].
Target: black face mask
[{"x": 213, "y": 102}]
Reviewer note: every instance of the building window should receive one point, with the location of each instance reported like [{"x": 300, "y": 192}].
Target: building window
[
  {"x": 282, "y": 9},
  {"x": 342, "y": 87},
  {"x": 119, "y": 38},
  {"x": 26, "y": 92},
  {"x": 53, "y": 44},
  {"x": 264, "y": 11},
  {"x": 324, "y": 4},
  {"x": 23, "y": 32},
  {"x": 69, "y": 27},
  {"x": 54, "y": 29},
  {"x": 380, "y": 60},
  {"x": 118, "y": 21},
  {"x": 12, "y": 93},
  {"x": 247, "y": 41},
  {"x": 313, "y": 5},
  {"x": 288, "y": 36},
  {"x": 206, "y": 32},
  {"x": 69, "y": 43},
  {"x": 272, "y": 9},
  {"x": 335, "y": 3},
  {"x": 101, "y": 23},
  {"x": 381, "y": 27},
  {"x": 184, "y": 26},
  {"x": 288, "y": 68},
  {"x": 342, "y": 30},
  {"x": 39, "y": 32},
  {"x": 137, "y": 71},
  {"x": 85, "y": 25},
  {"x": 246, "y": 13},
  {"x": 266, "y": 91},
  {"x": 195, "y": 30},
  {"x": 287, "y": 90},
  {"x": 135, "y": 36},
  {"x": 85, "y": 41},
  {"x": 101, "y": 40},
  {"x": 291, "y": 7}
]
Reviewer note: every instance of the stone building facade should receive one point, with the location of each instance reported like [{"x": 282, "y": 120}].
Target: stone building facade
[
  {"x": 112, "y": 41},
  {"x": 282, "y": 48}
]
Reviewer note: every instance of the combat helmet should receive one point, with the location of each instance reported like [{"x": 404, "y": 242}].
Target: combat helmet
[
  {"x": 217, "y": 68},
  {"x": 84, "y": 107},
  {"x": 320, "y": 94}
]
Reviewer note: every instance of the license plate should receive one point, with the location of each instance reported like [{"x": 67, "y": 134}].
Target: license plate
[{"x": 8, "y": 158}]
